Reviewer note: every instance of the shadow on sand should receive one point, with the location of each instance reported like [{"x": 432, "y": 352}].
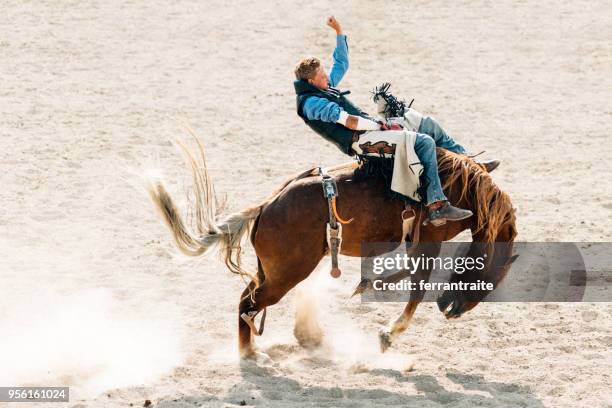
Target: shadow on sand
[{"x": 264, "y": 387}]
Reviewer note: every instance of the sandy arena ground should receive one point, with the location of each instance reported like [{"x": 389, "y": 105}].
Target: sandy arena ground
[{"x": 93, "y": 293}]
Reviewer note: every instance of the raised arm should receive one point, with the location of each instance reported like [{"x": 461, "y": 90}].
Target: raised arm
[{"x": 340, "y": 56}]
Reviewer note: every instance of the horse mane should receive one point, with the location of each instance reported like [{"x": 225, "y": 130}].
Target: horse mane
[{"x": 492, "y": 207}]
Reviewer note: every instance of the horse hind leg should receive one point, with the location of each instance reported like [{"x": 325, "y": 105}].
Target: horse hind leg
[
  {"x": 246, "y": 345},
  {"x": 253, "y": 301},
  {"x": 306, "y": 329},
  {"x": 278, "y": 280}
]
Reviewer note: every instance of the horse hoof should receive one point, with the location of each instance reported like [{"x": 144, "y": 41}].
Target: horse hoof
[
  {"x": 385, "y": 340},
  {"x": 248, "y": 353},
  {"x": 363, "y": 285},
  {"x": 262, "y": 359},
  {"x": 257, "y": 357},
  {"x": 335, "y": 273}
]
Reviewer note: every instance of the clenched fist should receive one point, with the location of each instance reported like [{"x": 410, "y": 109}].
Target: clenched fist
[
  {"x": 333, "y": 23},
  {"x": 391, "y": 126}
]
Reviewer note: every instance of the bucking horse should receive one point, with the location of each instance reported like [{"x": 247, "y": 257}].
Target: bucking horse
[{"x": 288, "y": 231}]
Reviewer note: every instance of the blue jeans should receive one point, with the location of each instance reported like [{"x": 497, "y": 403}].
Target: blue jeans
[
  {"x": 431, "y": 127},
  {"x": 425, "y": 148},
  {"x": 430, "y": 136}
]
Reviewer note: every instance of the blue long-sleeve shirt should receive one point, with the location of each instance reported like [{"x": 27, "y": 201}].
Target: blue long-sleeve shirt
[{"x": 316, "y": 108}]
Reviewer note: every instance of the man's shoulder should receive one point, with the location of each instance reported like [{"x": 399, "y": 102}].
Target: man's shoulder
[
  {"x": 311, "y": 98},
  {"x": 316, "y": 102}
]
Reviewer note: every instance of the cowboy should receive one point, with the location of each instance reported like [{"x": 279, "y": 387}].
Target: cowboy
[{"x": 330, "y": 114}]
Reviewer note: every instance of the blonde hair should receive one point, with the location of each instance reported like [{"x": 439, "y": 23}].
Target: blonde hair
[{"x": 307, "y": 68}]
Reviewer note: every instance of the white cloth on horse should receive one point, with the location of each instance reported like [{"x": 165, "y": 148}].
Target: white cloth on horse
[{"x": 406, "y": 168}]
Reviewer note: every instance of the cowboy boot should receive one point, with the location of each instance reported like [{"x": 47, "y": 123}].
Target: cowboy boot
[{"x": 439, "y": 214}]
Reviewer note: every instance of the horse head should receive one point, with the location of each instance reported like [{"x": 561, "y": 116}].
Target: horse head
[{"x": 454, "y": 303}]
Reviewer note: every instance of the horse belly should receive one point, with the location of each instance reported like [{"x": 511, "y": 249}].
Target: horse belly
[{"x": 376, "y": 218}]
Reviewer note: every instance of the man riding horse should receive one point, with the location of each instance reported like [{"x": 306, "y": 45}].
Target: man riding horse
[
  {"x": 287, "y": 228},
  {"x": 330, "y": 114}
]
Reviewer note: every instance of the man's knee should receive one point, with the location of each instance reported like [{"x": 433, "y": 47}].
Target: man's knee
[{"x": 424, "y": 141}]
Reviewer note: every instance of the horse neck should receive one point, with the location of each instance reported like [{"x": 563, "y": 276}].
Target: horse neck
[{"x": 499, "y": 251}]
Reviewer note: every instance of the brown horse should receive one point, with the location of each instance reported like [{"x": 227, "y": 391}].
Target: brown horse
[{"x": 288, "y": 231}]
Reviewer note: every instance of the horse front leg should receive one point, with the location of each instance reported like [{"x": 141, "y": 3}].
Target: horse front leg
[{"x": 387, "y": 336}]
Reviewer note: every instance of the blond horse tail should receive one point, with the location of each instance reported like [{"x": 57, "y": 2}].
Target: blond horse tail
[{"x": 210, "y": 229}]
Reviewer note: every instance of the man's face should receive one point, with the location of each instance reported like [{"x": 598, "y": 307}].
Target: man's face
[{"x": 320, "y": 80}]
